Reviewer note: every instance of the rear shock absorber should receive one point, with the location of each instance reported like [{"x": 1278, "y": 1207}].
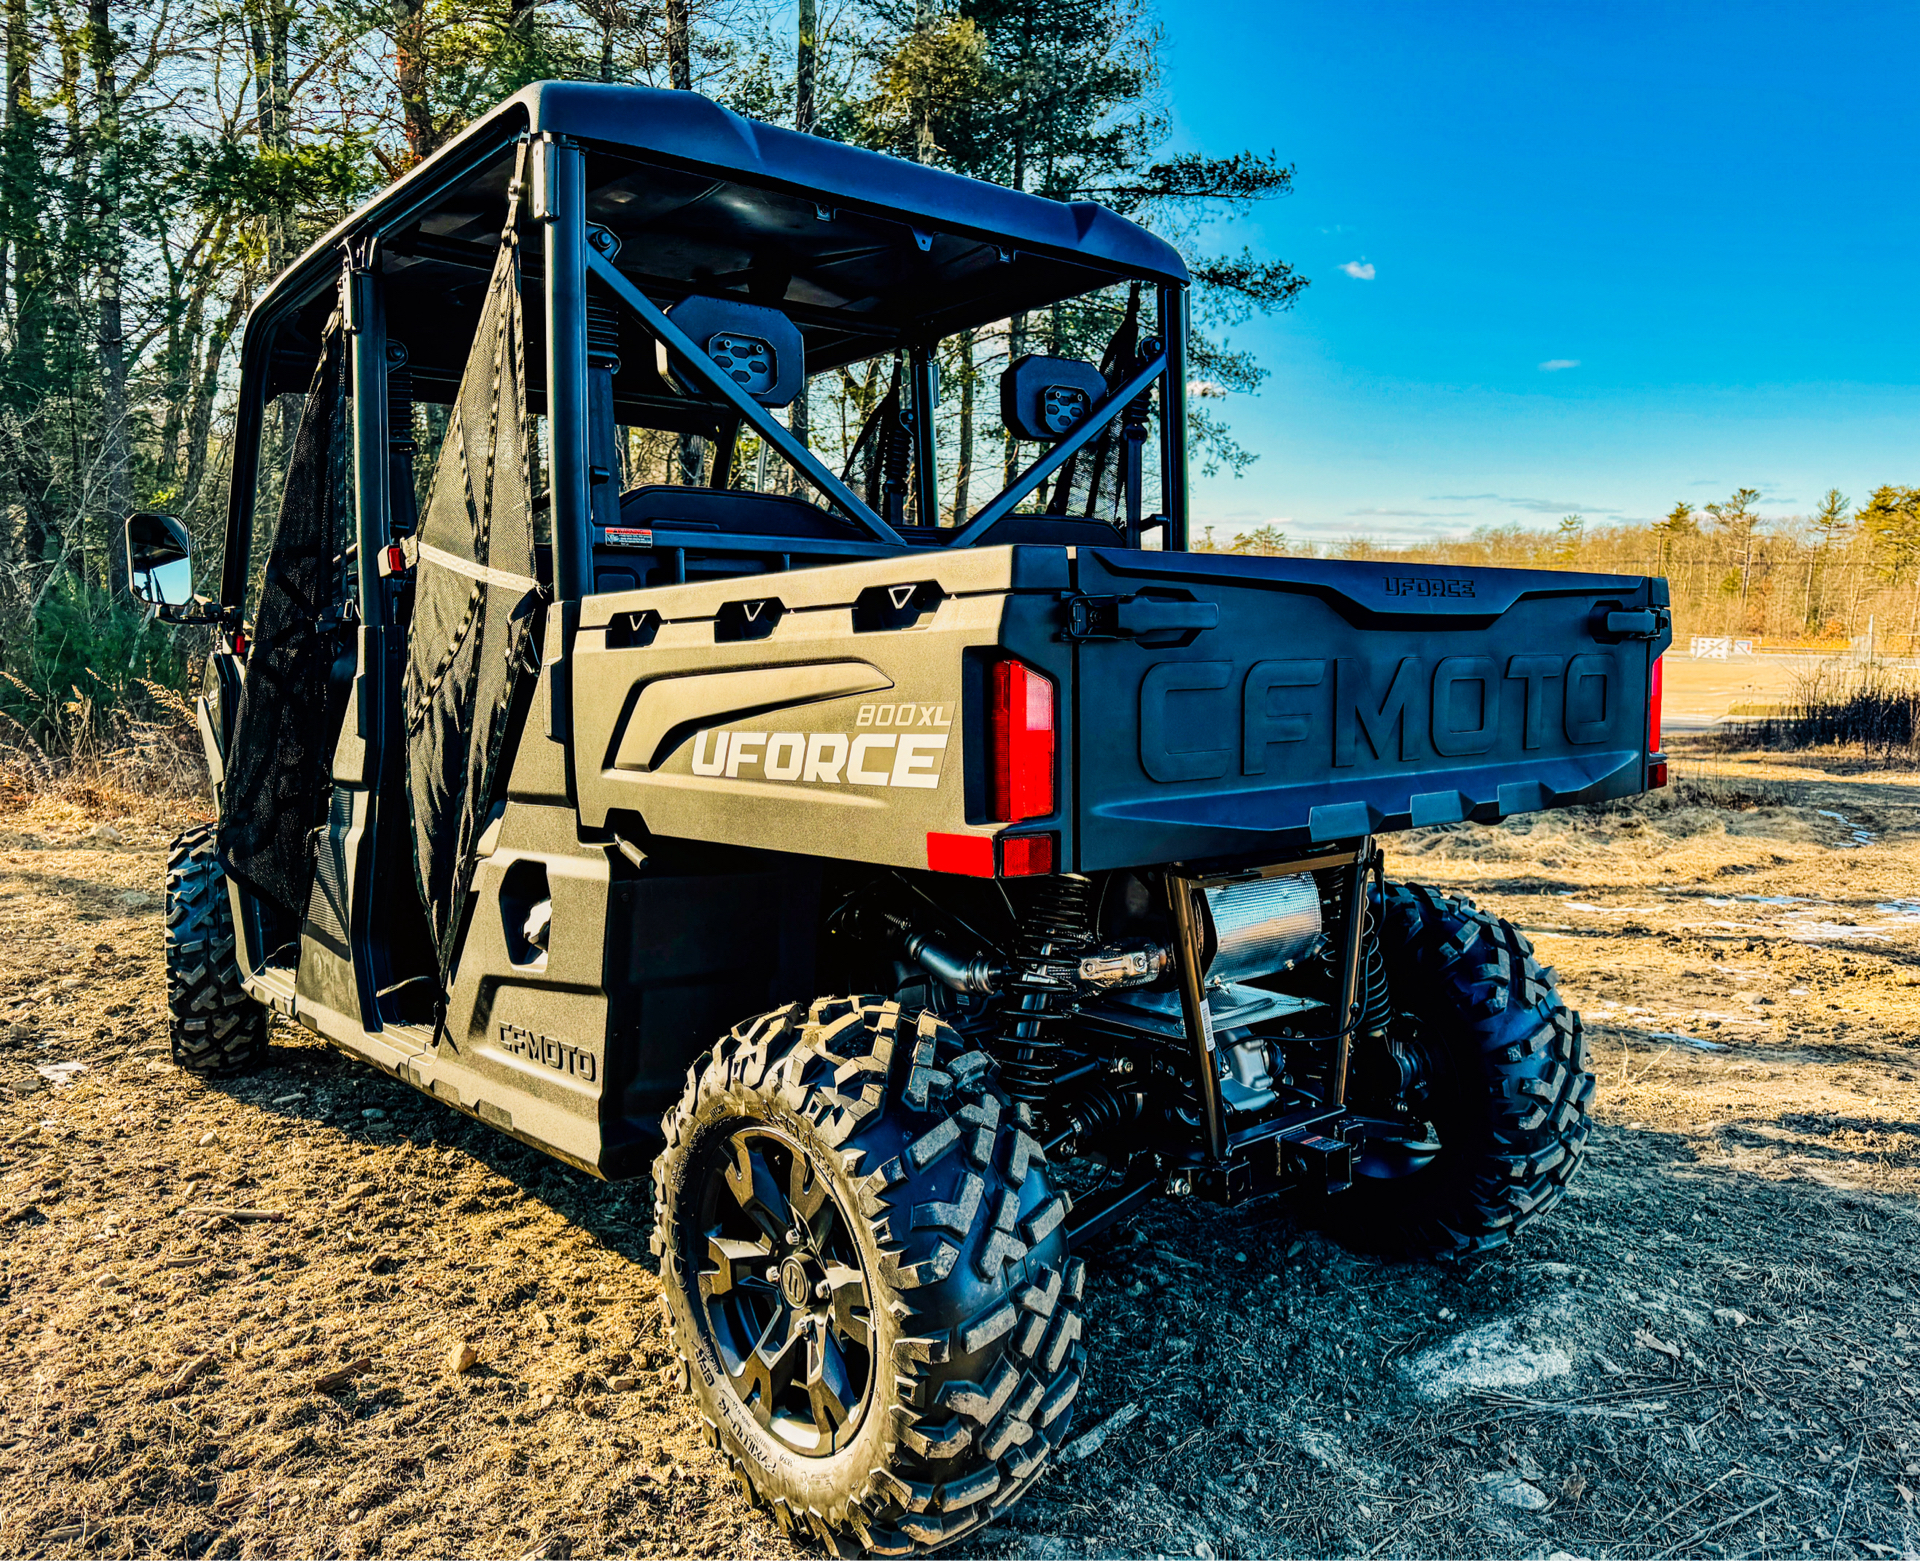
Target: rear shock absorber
[
  {"x": 1042, "y": 986},
  {"x": 1376, "y": 1015}
]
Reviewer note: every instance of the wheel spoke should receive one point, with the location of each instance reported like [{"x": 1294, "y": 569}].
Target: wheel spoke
[
  {"x": 782, "y": 1352},
  {"x": 851, "y": 1308},
  {"x": 807, "y": 1193},
  {"x": 829, "y": 1388},
  {"x": 767, "y": 1369},
  {"x": 755, "y": 1188},
  {"x": 737, "y": 1265}
]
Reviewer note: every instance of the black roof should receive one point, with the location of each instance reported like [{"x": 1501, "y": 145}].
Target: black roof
[{"x": 865, "y": 251}]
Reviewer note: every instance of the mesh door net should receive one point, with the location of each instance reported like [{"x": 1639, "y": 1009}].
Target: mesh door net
[
  {"x": 882, "y": 456},
  {"x": 471, "y": 651},
  {"x": 279, "y": 767}
]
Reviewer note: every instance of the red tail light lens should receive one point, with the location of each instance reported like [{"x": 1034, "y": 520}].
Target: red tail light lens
[
  {"x": 1026, "y": 856},
  {"x": 1020, "y": 743},
  {"x": 1653, "y": 707}
]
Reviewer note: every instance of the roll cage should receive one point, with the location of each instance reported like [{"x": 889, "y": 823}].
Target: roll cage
[{"x": 646, "y": 197}]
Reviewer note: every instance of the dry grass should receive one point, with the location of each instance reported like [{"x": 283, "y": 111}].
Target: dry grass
[
  {"x": 104, "y": 752},
  {"x": 1835, "y": 705},
  {"x": 1708, "y": 1348}
]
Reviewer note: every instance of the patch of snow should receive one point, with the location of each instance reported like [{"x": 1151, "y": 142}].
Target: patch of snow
[
  {"x": 1827, "y": 932},
  {"x": 1687, "y": 1040},
  {"x": 1498, "y": 1356}
]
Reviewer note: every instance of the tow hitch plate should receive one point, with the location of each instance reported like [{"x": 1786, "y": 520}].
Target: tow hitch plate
[{"x": 1316, "y": 1163}]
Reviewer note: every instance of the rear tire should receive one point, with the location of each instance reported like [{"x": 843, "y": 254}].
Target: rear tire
[
  {"x": 217, "y": 1030},
  {"x": 1508, "y": 1085},
  {"x": 898, "y": 1375}
]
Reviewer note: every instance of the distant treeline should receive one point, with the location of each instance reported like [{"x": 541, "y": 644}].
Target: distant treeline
[{"x": 1824, "y": 578}]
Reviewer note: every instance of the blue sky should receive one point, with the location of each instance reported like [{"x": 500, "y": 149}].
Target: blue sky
[{"x": 1621, "y": 254}]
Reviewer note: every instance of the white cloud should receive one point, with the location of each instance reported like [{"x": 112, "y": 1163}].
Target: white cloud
[
  {"x": 1555, "y": 365},
  {"x": 1359, "y": 270},
  {"x": 1205, "y": 389}
]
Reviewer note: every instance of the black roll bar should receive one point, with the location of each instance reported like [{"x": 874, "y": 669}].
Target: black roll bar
[
  {"x": 758, "y": 417},
  {"x": 1104, "y": 412},
  {"x": 1174, "y": 326}
]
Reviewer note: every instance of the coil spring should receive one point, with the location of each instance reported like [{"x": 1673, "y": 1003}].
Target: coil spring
[
  {"x": 1043, "y": 988},
  {"x": 1377, "y": 1014}
]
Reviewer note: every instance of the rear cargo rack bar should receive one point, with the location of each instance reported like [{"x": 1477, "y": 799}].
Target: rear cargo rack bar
[{"x": 1193, "y": 1000}]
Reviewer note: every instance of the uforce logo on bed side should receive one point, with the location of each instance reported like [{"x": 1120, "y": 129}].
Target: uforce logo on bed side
[
  {"x": 1426, "y": 585},
  {"x": 870, "y": 758}
]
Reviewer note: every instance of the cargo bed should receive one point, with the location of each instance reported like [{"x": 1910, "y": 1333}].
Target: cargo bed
[{"x": 1226, "y": 704}]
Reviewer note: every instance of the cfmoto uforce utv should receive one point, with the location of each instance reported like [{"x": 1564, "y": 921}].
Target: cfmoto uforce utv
[{"x": 911, "y": 889}]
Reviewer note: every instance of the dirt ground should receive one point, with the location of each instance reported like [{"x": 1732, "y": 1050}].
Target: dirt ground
[{"x": 1708, "y": 1350}]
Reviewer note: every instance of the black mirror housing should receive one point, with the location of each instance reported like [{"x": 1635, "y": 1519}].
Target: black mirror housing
[{"x": 159, "y": 560}]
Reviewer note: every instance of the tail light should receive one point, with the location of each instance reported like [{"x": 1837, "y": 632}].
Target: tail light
[
  {"x": 1658, "y": 776},
  {"x": 1021, "y": 743},
  {"x": 1653, "y": 706}
]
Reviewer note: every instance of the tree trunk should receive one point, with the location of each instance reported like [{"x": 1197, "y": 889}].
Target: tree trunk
[
  {"x": 964, "y": 473},
  {"x": 679, "y": 47},
  {"x": 200, "y": 410},
  {"x": 410, "y": 77},
  {"x": 1016, "y": 346},
  {"x": 806, "y": 53},
  {"x": 14, "y": 291},
  {"x": 268, "y": 22},
  {"x": 115, "y": 494}
]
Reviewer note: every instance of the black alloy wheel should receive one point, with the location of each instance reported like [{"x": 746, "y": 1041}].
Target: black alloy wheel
[
  {"x": 785, "y": 1296},
  {"x": 865, "y": 1268}
]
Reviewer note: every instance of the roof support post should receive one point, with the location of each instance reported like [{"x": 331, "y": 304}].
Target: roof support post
[
  {"x": 559, "y": 204},
  {"x": 366, "y": 322},
  {"x": 365, "y": 318},
  {"x": 1174, "y": 322},
  {"x": 926, "y": 470}
]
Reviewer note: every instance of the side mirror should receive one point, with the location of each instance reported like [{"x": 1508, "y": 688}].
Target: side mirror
[{"x": 159, "y": 560}]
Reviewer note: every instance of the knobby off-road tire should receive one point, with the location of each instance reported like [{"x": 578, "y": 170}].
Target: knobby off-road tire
[
  {"x": 928, "y": 1230},
  {"x": 216, "y": 1028},
  {"x": 1508, "y": 1078}
]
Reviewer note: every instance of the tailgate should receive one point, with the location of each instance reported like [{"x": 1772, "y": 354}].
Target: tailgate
[{"x": 1306, "y": 700}]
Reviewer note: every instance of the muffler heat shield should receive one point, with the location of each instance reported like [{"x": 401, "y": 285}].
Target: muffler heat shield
[{"x": 1261, "y": 926}]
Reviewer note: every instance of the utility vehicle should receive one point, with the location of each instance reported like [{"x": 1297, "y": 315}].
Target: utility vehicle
[{"x": 912, "y": 889}]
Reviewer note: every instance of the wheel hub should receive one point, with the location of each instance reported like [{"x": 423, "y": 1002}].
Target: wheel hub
[{"x": 796, "y": 1284}]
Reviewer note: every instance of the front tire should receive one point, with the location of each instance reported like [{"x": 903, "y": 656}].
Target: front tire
[
  {"x": 216, "y": 1029},
  {"x": 866, "y": 1274},
  {"x": 1507, "y": 1087}
]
